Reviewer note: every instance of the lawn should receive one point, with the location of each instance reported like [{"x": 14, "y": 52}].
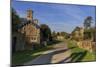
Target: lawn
[
  {"x": 21, "y": 57},
  {"x": 79, "y": 54}
]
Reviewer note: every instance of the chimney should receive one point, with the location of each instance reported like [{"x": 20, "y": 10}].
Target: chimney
[{"x": 36, "y": 21}]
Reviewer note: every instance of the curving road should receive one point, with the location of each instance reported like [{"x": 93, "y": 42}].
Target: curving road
[{"x": 60, "y": 54}]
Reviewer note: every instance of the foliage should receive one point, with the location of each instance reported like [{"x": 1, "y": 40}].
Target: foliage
[
  {"x": 21, "y": 57},
  {"x": 66, "y": 35},
  {"x": 58, "y": 33},
  {"x": 79, "y": 54},
  {"x": 76, "y": 29},
  {"x": 76, "y": 34},
  {"x": 45, "y": 32},
  {"x": 54, "y": 35},
  {"x": 15, "y": 20},
  {"x": 90, "y": 33},
  {"x": 87, "y": 22}
]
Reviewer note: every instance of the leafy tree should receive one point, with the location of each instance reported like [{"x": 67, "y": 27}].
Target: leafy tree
[
  {"x": 75, "y": 32},
  {"x": 87, "y": 22},
  {"x": 89, "y": 31},
  {"x": 15, "y": 20},
  {"x": 65, "y": 35},
  {"x": 76, "y": 29},
  {"x": 45, "y": 32},
  {"x": 54, "y": 35},
  {"x": 58, "y": 33}
]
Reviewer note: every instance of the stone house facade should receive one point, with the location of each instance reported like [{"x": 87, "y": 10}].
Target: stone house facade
[{"x": 28, "y": 34}]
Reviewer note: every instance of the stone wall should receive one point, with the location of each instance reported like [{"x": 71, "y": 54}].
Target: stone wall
[
  {"x": 87, "y": 45},
  {"x": 19, "y": 43}
]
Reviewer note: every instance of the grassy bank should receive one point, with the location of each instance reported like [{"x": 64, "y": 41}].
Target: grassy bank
[
  {"x": 79, "y": 54},
  {"x": 21, "y": 57}
]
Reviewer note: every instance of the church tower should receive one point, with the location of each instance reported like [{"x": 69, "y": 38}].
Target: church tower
[{"x": 29, "y": 15}]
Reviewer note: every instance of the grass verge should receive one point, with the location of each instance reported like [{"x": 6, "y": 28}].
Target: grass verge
[
  {"x": 21, "y": 57},
  {"x": 79, "y": 54}
]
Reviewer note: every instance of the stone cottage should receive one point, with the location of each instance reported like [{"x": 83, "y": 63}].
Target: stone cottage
[{"x": 28, "y": 35}]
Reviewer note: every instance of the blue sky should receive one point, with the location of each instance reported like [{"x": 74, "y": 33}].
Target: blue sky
[{"x": 59, "y": 17}]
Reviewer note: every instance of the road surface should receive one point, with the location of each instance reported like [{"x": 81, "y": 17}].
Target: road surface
[{"x": 60, "y": 54}]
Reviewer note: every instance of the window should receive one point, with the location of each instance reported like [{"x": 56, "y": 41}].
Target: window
[{"x": 33, "y": 38}]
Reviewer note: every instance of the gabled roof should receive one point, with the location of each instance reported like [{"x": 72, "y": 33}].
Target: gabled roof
[{"x": 24, "y": 22}]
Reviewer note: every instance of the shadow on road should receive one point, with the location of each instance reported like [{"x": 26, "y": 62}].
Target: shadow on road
[
  {"x": 78, "y": 56},
  {"x": 46, "y": 58},
  {"x": 75, "y": 57}
]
